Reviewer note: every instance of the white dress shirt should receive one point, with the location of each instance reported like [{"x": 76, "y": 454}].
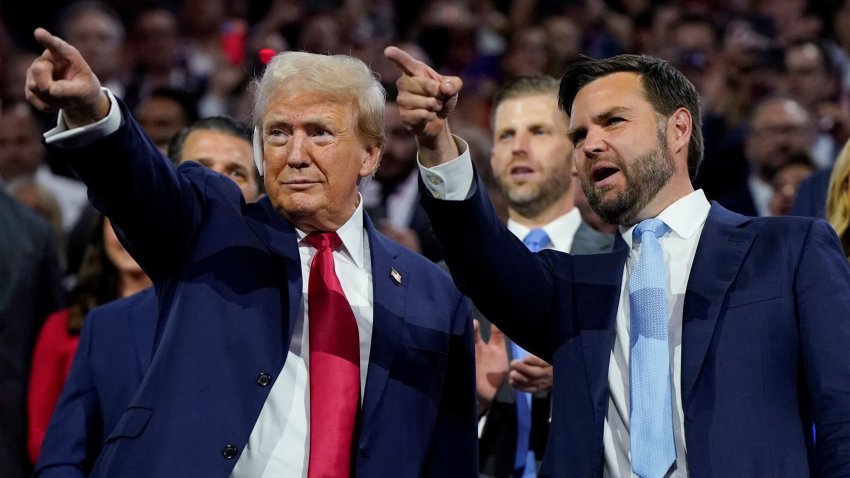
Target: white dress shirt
[
  {"x": 561, "y": 231},
  {"x": 280, "y": 440},
  {"x": 400, "y": 204},
  {"x": 686, "y": 218}
]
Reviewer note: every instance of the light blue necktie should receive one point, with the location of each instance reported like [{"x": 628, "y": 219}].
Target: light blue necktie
[
  {"x": 525, "y": 465},
  {"x": 651, "y": 424}
]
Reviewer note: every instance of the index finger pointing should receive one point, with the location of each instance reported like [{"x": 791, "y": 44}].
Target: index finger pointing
[
  {"x": 406, "y": 63},
  {"x": 57, "y": 46}
]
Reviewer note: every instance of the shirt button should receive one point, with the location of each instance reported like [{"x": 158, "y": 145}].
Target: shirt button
[
  {"x": 264, "y": 379},
  {"x": 229, "y": 452},
  {"x": 434, "y": 180}
]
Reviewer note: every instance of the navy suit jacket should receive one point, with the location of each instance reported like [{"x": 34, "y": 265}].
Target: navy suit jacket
[
  {"x": 228, "y": 280},
  {"x": 765, "y": 334},
  {"x": 112, "y": 357}
]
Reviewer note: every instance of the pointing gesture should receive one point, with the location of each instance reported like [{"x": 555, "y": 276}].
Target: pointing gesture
[
  {"x": 425, "y": 100},
  {"x": 61, "y": 79}
]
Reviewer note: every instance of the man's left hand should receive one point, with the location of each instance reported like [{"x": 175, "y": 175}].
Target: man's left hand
[{"x": 531, "y": 374}]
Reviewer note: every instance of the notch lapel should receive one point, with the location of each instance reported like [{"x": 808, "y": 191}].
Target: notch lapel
[
  {"x": 596, "y": 291},
  {"x": 722, "y": 248},
  {"x": 388, "y": 302},
  {"x": 279, "y": 236}
]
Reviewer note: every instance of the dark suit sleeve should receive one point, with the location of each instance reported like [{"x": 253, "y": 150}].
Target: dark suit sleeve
[
  {"x": 513, "y": 287},
  {"x": 454, "y": 449},
  {"x": 822, "y": 289},
  {"x": 156, "y": 207},
  {"x": 74, "y": 435}
]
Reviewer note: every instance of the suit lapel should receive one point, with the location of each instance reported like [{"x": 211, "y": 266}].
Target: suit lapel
[
  {"x": 388, "y": 299},
  {"x": 720, "y": 253},
  {"x": 279, "y": 237},
  {"x": 597, "y": 297}
]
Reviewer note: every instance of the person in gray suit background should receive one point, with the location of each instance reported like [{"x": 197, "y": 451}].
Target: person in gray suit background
[
  {"x": 29, "y": 290},
  {"x": 533, "y": 166}
]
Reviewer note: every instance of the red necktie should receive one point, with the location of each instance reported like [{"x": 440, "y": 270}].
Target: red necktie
[{"x": 334, "y": 364}]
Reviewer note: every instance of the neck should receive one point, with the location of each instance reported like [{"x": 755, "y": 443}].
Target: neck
[
  {"x": 674, "y": 190},
  {"x": 132, "y": 282},
  {"x": 562, "y": 206}
]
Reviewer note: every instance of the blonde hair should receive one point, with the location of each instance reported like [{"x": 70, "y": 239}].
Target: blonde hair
[
  {"x": 341, "y": 77},
  {"x": 838, "y": 198}
]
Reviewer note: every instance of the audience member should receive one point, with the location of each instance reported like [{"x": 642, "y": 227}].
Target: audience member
[
  {"x": 786, "y": 182},
  {"x": 532, "y": 164},
  {"x": 164, "y": 113},
  {"x": 838, "y": 199},
  {"x": 107, "y": 273},
  {"x": 30, "y": 291},
  {"x": 22, "y": 155}
]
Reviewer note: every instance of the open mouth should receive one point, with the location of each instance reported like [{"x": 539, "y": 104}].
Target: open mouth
[{"x": 601, "y": 172}]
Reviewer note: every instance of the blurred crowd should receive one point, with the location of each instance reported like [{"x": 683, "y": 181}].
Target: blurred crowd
[{"x": 774, "y": 76}]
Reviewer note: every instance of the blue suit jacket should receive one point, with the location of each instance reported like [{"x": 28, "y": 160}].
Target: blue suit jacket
[
  {"x": 113, "y": 356},
  {"x": 228, "y": 280},
  {"x": 765, "y": 334}
]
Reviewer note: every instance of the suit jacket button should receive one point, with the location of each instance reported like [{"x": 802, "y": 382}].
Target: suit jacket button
[
  {"x": 229, "y": 452},
  {"x": 264, "y": 379}
]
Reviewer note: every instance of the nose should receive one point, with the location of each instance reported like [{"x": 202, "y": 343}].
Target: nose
[
  {"x": 520, "y": 143},
  {"x": 298, "y": 157},
  {"x": 593, "y": 143}
]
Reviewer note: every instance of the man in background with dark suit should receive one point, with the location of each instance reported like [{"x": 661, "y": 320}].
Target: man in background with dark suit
[
  {"x": 533, "y": 166},
  {"x": 29, "y": 290}
]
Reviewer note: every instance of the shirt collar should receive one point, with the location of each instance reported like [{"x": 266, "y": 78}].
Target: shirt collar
[
  {"x": 560, "y": 231},
  {"x": 350, "y": 233},
  {"x": 684, "y": 217}
]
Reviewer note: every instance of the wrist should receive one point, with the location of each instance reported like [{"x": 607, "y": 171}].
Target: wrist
[{"x": 88, "y": 114}]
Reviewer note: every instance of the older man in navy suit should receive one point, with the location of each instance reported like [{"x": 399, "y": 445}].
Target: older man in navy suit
[
  {"x": 292, "y": 339},
  {"x": 705, "y": 344}
]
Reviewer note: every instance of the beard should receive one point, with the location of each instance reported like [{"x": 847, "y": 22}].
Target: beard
[
  {"x": 529, "y": 200},
  {"x": 645, "y": 176}
]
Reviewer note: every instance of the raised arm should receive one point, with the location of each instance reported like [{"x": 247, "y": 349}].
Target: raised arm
[{"x": 154, "y": 206}]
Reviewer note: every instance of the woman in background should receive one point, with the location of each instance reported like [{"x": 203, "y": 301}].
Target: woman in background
[
  {"x": 107, "y": 273},
  {"x": 838, "y": 198}
]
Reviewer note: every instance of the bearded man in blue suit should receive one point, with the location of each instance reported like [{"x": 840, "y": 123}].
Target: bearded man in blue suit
[
  {"x": 705, "y": 344},
  {"x": 232, "y": 389}
]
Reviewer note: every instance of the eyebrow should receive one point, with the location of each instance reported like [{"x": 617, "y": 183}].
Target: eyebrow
[{"x": 597, "y": 119}]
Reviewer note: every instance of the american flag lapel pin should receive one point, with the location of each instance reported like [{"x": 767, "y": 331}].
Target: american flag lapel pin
[{"x": 396, "y": 276}]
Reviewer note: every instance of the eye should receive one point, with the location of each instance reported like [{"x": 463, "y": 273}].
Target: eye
[
  {"x": 504, "y": 135},
  {"x": 614, "y": 120}
]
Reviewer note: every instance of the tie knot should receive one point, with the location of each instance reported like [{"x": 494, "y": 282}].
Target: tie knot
[
  {"x": 536, "y": 240},
  {"x": 653, "y": 225},
  {"x": 323, "y": 240}
]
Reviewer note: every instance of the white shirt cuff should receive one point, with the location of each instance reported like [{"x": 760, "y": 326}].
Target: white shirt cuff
[
  {"x": 66, "y": 138},
  {"x": 452, "y": 181}
]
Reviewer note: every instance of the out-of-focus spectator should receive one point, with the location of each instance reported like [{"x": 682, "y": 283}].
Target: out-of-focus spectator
[
  {"x": 813, "y": 81},
  {"x": 164, "y": 113},
  {"x": 838, "y": 198},
  {"x": 108, "y": 273},
  {"x": 527, "y": 54},
  {"x": 14, "y": 69},
  {"x": 96, "y": 30},
  {"x": 780, "y": 128},
  {"x": 30, "y": 290},
  {"x": 787, "y": 181},
  {"x": 39, "y": 199},
  {"x": 22, "y": 155},
  {"x": 160, "y": 57}
]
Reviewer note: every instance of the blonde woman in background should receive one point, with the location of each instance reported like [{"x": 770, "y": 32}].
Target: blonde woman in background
[{"x": 838, "y": 198}]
